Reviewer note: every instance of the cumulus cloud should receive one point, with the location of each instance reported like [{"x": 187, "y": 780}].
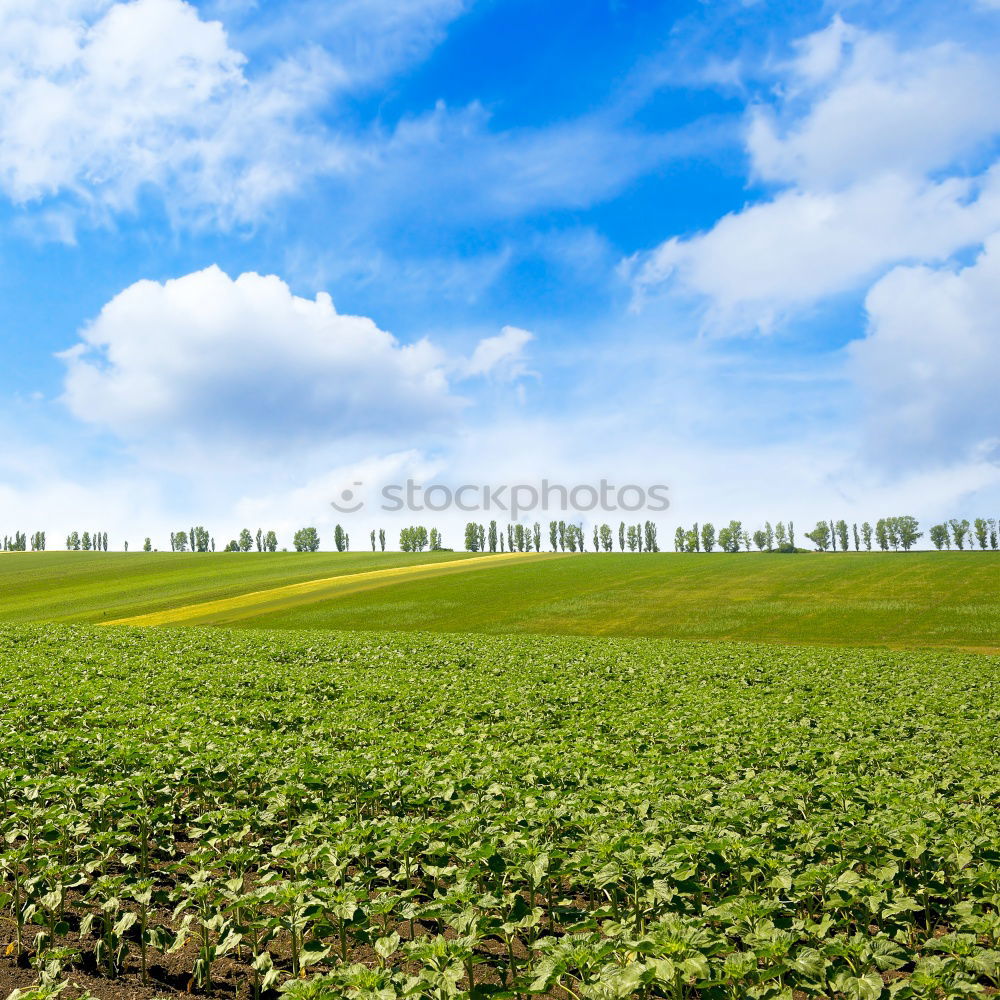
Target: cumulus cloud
[
  {"x": 100, "y": 98},
  {"x": 758, "y": 265},
  {"x": 856, "y": 106},
  {"x": 205, "y": 358},
  {"x": 930, "y": 364},
  {"x": 871, "y": 147}
]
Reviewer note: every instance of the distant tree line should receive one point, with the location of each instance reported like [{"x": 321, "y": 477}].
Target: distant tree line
[
  {"x": 87, "y": 542},
  {"x": 887, "y": 534},
  {"x": 982, "y": 532},
  {"x": 563, "y": 537}
]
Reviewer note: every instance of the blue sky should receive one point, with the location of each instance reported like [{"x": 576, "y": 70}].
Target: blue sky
[{"x": 252, "y": 251}]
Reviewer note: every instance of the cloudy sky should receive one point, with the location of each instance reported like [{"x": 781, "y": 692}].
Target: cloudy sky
[{"x": 252, "y": 252}]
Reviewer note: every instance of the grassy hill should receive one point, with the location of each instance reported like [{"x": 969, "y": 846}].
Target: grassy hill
[
  {"x": 98, "y": 586},
  {"x": 904, "y": 599},
  {"x": 914, "y": 599}
]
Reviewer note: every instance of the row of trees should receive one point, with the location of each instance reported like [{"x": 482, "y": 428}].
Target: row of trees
[
  {"x": 888, "y": 533},
  {"x": 416, "y": 538},
  {"x": 982, "y": 532},
  {"x": 18, "y": 542},
  {"x": 733, "y": 536},
  {"x": 563, "y": 537},
  {"x": 75, "y": 542}
]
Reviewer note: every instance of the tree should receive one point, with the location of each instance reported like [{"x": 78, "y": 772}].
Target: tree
[
  {"x": 780, "y": 535},
  {"x": 339, "y": 538},
  {"x": 519, "y": 537},
  {"x": 306, "y": 540},
  {"x": 833, "y": 536},
  {"x": 413, "y": 539},
  {"x": 270, "y": 542},
  {"x": 147, "y": 545},
  {"x": 892, "y": 532},
  {"x": 246, "y": 540},
  {"x": 638, "y": 537},
  {"x": 842, "y": 535},
  {"x": 731, "y": 536},
  {"x": 708, "y": 536},
  {"x": 882, "y": 534},
  {"x": 866, "y": 534},
  {"x": 597, "y": 538},
  {"x": 649, "y": 530},
  {"x": 510, "y": 537},
  {"x": 621, "y": 536},
  {"x": 260, "y": 540},
  {"x": 691, "y": 541},
  {"x": 906, "y": 528},
  {"x": 471, "y": 537},
  {"x": 791, "y": 534},
  {"x": 982, "y": 532},
  {"x": 73, "y": 541},
  {"x": 562, "y": 536},
  {"x": 373, "y": 539},
  {"x": 769, "y": 535},
  {"x": 607, "y": 538},
  {"x": 820, "y": 536},
  {"x": 553, "y": 535},
  {"x": 381, "y": 539},
  {"x": 695, "y": 536},
  {"x": 993, "y": 534},
  {"x": 202, "y": 539},
  {"x": 959, "y": 529},
  {"x": 760, "y": 539},
  {"x": 85, "y": 541},
  {"x": 857, "y": 539},
  {"x": 680, "y": 539},
  {"x": 632, "y": 539},
  {"x": 536, "y": 536},
  {"x": 939, "y": 536},
  {"x": 435, "y": 540},
  {"x": 493, "y": 536}
]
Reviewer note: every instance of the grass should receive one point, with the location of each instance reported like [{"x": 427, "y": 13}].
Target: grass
[
  {"x": 258, "y": 602},
  {"x": 914, "y": 599},
  {"x": 95, "y": 587},
  {"x": 920, "y": 599}
]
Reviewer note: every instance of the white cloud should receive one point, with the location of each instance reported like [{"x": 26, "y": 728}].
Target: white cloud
[
  {"x": 871, "y": 147},
  {"x": 99, "y": 98},
  {"x": 757, "y": 265},
  {"x": 502, "y": 355},
  {"x": 929, "y": 367},
  {"x": 870, "y": 108},
  {"x": 206, "y": 358}
]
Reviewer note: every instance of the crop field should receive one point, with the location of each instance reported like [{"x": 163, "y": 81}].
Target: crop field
[
  {"x": 374, "y": 816},
  {"x": 99, "y": 586},
  {"x": 925, "y": 599}
]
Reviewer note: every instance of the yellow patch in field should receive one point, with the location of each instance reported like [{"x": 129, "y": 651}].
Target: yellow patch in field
[{"x": 258, "y": 601}]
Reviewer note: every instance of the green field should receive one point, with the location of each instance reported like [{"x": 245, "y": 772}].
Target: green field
[
  {"x": 376, "y": 817},
  {"x": 897, "y": 599},
  {"x": 96, "y": 586}
]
